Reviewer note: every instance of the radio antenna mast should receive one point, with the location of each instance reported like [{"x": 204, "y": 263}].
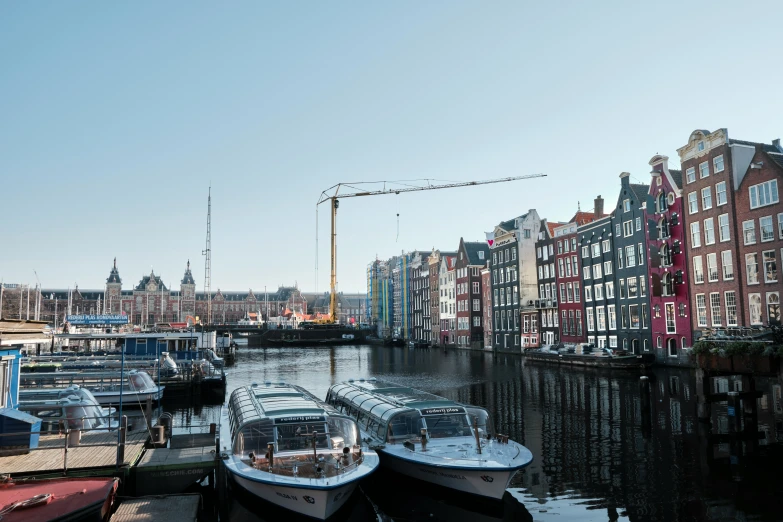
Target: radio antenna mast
[{"x": 208, "y": 258}]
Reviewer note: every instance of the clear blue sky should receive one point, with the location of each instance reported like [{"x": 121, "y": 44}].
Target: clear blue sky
[{"x": 117, "y": 115}]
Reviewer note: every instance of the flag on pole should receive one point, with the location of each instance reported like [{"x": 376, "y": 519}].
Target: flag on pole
[{"x": 490, "y": 238}]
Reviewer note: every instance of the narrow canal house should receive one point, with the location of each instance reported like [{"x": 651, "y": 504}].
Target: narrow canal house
[
  {"x": 568, "y": 275},
  {"x": 632, "y": 300},
  {"x": 547, "y": 284},
  {"x": 598, "y": 278},
  {"x": 419, "y": 297},
  {"x": 667, "y": 266},
  {"x": 486, "y": 305},
  {"x": 514, "y": 281},
  {"x": 471, "y": 258},
  {"x": 448, "y": 302}
]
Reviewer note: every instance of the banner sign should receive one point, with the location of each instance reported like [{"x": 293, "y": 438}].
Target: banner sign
[
  {"x": 299, "y": 419},
  {"x": 97, "y": 319},
  {"x": 442, "y": 411}
]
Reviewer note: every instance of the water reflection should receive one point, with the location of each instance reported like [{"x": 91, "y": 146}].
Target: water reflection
[{"x": 607, "y": 446}]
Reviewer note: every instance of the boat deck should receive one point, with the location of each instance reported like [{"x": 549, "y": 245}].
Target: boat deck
[
  {"x": 159, "y": 507},
  {"x": 96, "y": 450}
]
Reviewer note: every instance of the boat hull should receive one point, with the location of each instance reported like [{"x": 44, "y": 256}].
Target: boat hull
[
  {"x": 626, "y": 362},
  {"x": 477, "y": 481},
  {"x": 129, "y": 398},
  {"x": 316, "y": 503}
]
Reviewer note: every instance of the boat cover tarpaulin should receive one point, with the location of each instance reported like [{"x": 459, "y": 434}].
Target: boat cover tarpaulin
[{"x": 69, "y": 498}]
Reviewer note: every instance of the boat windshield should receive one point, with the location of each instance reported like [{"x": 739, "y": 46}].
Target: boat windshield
[
  {"x": 335, "y": 433},
  {"x": 293, "y": 437},
  {"x": 443, "y": 426},
  {"x": 141, "y": 381},
  {"x": 85, "y": 417},
  {"x": 483, "y": 419},
  {"x": 404, "y": 426}
]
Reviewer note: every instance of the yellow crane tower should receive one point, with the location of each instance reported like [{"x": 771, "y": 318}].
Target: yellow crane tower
[{"x": 334, "y": 192}]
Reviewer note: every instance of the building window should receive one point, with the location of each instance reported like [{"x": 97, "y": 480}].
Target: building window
[
  {"x": 638, "y": 228},
  {"x": 633, "y": 312},
  {"x": 577, "y": 296},
  {"x": 574, "y": 265},
  {"x": 770, "y": 266},
  {"x": 617, "y": 230},
  {"x": 752, "y": 268},
  {"x": 728, "y": 266},
  {"x": 476, "y": 305},
  {"x": 475, "y": 287},
  {"x": 516, "y": 295},
  {"x": 599, "y": 292},
  {"x": 590, "y": 325},
  {"x": 712, "y": 267},
  {"x": 600, "y": 319},
  {"x": 578, "y": 321},
  {"x": 766, "y": 229},
  {"x": 627, "y": 229},
  {"x": 585, "y": 251},
  {"x": 562, "y": 293},
  {"x": 717, "y": 163},
  {"x": 704, "y": 170},
  {"x": 642, "y": 287},
  {"x": 570, "y": 292},
  {"x": 612, "y": 317},
  {"x": 630, "y": 256},
  {"x": 693, "y": 203},
  {"x": 605, "y": 245},
  {"x": 626, "y": 205},
  {"x": 706, "y": 198},
  {"x": 641, "y": 254},
  {"x": 715, "y": 308},
  {"x": 609, "y": 290},
  {"x": 623, "y": 317},
  {"x": 749, "y": 232},
  {"x": 773, "y": 308},
  {"x": 671, "y": 324},
  {"x": 632, "y": 289},
  {"x": 754, "y": 304},
  {"x": 723, "y": 227},
  {"x": 607, "y": 267},
  {"x": 666, "y": 255},
  {"x": 701, "y": 310},
  {"x": 681, "y": 307},
  {"x": 619, "y": 258},
  {"x": 764, "y": 194},
  {"x": 597, "y": 271},
  {"x": 698, "y": 270},
  {"x": 695, "y": 235},
  {"x": 690, "y": 175},
  {"x": 596, "y": 250},
  {"x": 622, "y": 288},
  {"x": 731, "y": 308},
  {"x": 588, "y": 293},
  {"x": 720, "y": 193},
  {"x": 667, "y": 285},
  {"x": 709, "y": 232}
]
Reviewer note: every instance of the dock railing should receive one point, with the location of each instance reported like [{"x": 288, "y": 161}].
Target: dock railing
[{"x": 71, "y": 440}]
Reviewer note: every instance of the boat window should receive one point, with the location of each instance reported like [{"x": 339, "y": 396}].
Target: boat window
[
  {"x": 342, "y": 432},
  {"x": 254, "y": 438},
  {"x": 137, "y": 381},
  {"x": 483, "y": 418},
  {"x": 404, "y": 426},
  {"x": 293, "y": 437},
  {"x": 442, "y": 426}
]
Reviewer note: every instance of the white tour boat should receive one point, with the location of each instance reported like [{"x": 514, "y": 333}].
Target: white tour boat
[
  {"x": 431, "y": 438},
  {"x": 292, "y": 449}
]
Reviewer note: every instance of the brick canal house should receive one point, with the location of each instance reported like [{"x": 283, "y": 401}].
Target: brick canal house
[
  {"x": 596, "y": 254},
  {"x": 471, "y": 258},
  {"x": 514, "y": 281},
  {"x": 568, "y": 275},
  {"x": 447, "y": 300},
  {"x": 634, "y": 333},
  {"x": 733, "y": 230},
  {"x": 486, "y": 305},
  {"x": 547, "y": 284},
  {"x": 667, "y": 265}
]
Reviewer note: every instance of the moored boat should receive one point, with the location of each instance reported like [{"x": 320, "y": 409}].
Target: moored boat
[
  {"x": 75, "y": 411},
  {"x": 603, "y": 359},
  {"x": 135, "y": 386},
  {"x": 64, "y": 499},
  {"x": 431, "y": 438},
  {"x": 292, "y": 449}
]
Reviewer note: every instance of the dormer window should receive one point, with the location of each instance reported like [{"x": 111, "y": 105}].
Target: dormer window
[
  {"x": 481, "y": 254},
  {"x": 700, "y": 146}
]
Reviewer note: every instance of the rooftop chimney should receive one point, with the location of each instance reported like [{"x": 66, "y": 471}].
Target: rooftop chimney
[
  {"x": 625, "y": 178},
  {"x": 599, "y": 207},
  {"x": 776, "y": 144}
]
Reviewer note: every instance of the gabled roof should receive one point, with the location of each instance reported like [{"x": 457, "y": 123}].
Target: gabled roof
[
  {"x": 766, "y": 147},
  {"x": 472, "y": 249},
  {"x": 777, "y": 157},
  {"x": 552, "y": 226},
  {"x": 580, "y": 218},
  {"x": 146, "y": 279},
  {"x": 676, "y": 176},
  {"x": 640, "y": 190}
]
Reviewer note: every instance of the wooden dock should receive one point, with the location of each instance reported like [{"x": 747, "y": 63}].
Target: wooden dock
[
  {"x": 183, "y": 508},
  {"x": 97, "y": 451},
  {"x": 167, "y": 470}
]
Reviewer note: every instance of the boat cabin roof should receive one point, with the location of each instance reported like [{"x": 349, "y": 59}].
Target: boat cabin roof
[
  {"x": 278, "y": 402},
  {"x": 380, "y": 397}
]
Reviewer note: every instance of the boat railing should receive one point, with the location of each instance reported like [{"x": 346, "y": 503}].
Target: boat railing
[
  {"x": 72, "y": 439},
  {"x": 305, "y": 466},
  {"x": 469, "y": 450}
]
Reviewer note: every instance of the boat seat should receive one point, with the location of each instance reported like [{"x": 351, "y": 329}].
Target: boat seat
[{"x": 337, "y": 442}]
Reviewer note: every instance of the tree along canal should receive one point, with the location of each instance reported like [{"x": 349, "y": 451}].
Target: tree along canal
[{"x": 606, "y": 445}]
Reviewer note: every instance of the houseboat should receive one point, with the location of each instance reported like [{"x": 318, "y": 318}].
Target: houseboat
[
  {"x": 292, "y": 449},
  {"x": 584, "y": 355},
  {"x": 431, "y": 438},
  {"x": 135, "y": 386}
]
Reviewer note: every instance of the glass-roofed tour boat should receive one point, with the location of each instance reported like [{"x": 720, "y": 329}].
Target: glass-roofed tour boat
[
  {"x": 294, "y": 450},
  {"x": 431, "y": 438}
]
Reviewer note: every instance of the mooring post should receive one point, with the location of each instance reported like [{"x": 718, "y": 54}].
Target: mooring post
[
  {"x": 121, "y": 444},
  {"x": 65, "y": 453},
  {"x": 148, "y": 412}
]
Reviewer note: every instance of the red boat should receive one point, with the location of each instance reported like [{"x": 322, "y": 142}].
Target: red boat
[{"x": 76, "y": 499}]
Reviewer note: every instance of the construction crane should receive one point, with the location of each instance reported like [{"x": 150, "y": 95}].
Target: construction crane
[{"x": 333, "y": 194}]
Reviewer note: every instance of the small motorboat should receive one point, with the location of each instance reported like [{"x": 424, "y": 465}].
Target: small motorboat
[
  {"x": 292, "y": 449},
  {"x": 75, "y": 411},
  {"x": 62, "y": 499},
  {"x": 135, "y": 386},
  {"x": 431, "y": 438}
]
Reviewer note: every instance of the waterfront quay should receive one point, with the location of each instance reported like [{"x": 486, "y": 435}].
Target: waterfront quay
[{"x": 607, "y": 444}]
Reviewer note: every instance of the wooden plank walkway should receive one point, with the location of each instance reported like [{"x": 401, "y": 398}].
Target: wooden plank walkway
[
  {"x": 96, "y": 450},
  {"x": 164, "y": 507}
]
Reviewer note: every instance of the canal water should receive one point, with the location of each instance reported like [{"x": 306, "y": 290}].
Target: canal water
[{"x": 606, "y": 445}]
